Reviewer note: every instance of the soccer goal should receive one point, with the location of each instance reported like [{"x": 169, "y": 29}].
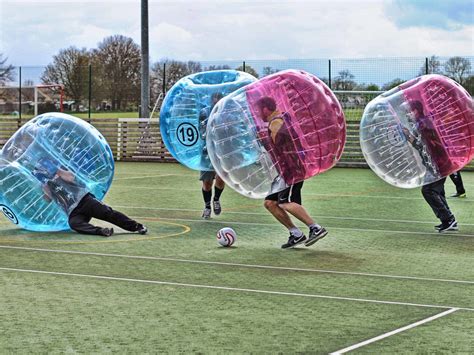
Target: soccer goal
[{"x": 48, "y": 93}]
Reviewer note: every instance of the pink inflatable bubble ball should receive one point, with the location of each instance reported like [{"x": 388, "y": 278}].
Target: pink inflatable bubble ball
[
  {"x": 287, "y": 126},
  {"x": 419, "y": 132}
]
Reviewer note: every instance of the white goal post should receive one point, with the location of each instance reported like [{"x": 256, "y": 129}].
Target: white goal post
[{"x": 39, "y": 90}]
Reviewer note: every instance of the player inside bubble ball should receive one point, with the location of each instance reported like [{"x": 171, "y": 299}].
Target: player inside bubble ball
[
  {"x": 427, "y": 142},
  {"x": 282, "y": 142},
  {"x": 60, "y": 185},
  {"x": 209, "y": 178}
]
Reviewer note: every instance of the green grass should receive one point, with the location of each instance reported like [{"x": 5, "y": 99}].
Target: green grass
[{"x": 225, "y": 303}]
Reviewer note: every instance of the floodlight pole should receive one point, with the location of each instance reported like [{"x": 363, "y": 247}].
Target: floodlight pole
[{"x": 145, "y": 83}]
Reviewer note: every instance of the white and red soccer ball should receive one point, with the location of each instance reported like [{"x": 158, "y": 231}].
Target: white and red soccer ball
[{"x": 226, "y": 237}]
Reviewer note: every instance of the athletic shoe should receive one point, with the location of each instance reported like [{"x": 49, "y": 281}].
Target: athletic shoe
[
  {"x": 142, "y": 230},
  {"x": 217, "y": 207},
  {"x": 206, "y": 214},
  {"x": 448, "y": 226},
  {"x": 463, "y": 195},
  {"x": 293, "y": 241},
  {"x": 107, "y": 232},
  {"x": 438, "y": 226},
  {"x": 315, "y": 234}
]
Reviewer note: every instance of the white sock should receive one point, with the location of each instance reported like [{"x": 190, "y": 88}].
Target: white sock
[
  {"x": 314, "y": 225},
  {"x": 296, "y": 232}
]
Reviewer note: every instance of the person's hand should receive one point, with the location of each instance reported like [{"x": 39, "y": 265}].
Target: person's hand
[
  {"x": 262, "y": 134},
  {"x": 408, "y": 135},
  {"x": 66, "y": 175},
  {"x": 47, "y": 193}
]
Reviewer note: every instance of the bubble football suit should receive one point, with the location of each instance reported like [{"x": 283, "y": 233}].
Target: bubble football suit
[
  {"x": 185, "y": 111},
  {"x": 29, "y": 162},
  {"x": 280, "y": 130},
  {"x": 418, "y": 132}
]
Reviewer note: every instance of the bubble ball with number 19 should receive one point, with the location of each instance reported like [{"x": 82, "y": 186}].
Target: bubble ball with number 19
[{"x": 185, "y": 111}]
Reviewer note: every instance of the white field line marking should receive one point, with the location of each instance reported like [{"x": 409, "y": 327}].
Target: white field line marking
[
  {"x": 320, "y": 179},
  {"x": 225, "y": 288},
  {"x": 306, "y": 194},
  {"x": 393, "y": 332},
  {"x": 454, "y": 234},
  {"x": 253, "y": 266},
  {"x": 143, "y": 177},
  {"x": 267, "y": 214}
]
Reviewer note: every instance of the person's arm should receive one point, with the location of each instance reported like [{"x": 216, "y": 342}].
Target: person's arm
[
  {"x": 275, "y": 126},
  {"x": 66, "y": 175},
  {"x": 203, "y": 116},
  {"x": 408, "y": 135},
  {"x": 48, "y": 195}
]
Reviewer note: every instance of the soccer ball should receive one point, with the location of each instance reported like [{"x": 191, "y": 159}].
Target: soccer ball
[{"x": 226, "y": 237}]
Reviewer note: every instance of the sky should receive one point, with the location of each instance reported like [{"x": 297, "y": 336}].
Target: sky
[{"x": 32, "y": 31}]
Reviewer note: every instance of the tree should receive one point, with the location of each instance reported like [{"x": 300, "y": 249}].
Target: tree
[
  {"x": 6, "y": 71},
  {"x": 217, "y": 67},
  {"x": 469, "y": 85},
  {"x": 69, "y": 68},
  {"x": 344, "y": 81},
  {"x": 175, "y": 70},
  {"x": 269, "y": 70},
  {"x": 372, "y": 87},
  {"x": 458, "y": 68},
  {"x": 392, "y": 84},
  {"x": 434, "y": 66},
  {"x": 28, "y": 92},
  {"x": 325, "y": 80},
  {"x": 248, "y": 69},
  {"x": 117, "y": 61}
]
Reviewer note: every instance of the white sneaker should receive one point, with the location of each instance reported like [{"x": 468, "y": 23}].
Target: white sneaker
[{"x": 206, "y": 214}]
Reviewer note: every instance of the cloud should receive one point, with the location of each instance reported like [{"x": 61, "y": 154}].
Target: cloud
[
  {"x": 450, "y": 15},
  {"x": 89, "y": 34},
  {"x": 240, "y": 29}
]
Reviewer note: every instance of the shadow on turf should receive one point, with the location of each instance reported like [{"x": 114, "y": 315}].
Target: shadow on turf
[{"x": 21, "y": 235}]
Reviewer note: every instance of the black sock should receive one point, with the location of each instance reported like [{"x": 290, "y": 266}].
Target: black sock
[
  {"x": 207, "y": 195},
  {"x": 217, "y": 193}
]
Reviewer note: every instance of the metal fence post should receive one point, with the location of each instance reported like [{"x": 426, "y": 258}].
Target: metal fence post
[
  {"x": 329, "y": 80},
  {"x": 90, "y": 92},
  {"x": 19, "y": 98},
  {"x": 163, "y": 89}
]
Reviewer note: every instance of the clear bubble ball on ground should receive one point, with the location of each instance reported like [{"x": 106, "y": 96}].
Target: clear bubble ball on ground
[
  {"x": 29, "y": 163},
  {"x": 418, "y": 132},
  {"x": 185, "y": 112},
  {"x": 278, "y": 131}
]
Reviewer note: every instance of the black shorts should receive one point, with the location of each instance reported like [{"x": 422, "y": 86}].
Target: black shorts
[
  {"x": 207, "y": 175},
  {"x": 290, "y": 194}
]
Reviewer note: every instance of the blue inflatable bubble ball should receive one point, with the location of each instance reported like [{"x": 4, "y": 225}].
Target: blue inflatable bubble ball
[
  {"x": 185, "y": 111},
  {"x": 48, "y": 166}
]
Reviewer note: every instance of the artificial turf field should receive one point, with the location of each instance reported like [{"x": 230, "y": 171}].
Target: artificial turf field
[{"x": 381, "y": 268}]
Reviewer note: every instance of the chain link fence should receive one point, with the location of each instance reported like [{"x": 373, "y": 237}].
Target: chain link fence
[
  {"x": 89, "y": 92},
  {"x": 113, "y": 107}
]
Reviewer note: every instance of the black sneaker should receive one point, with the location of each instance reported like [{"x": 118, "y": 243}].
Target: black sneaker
[
  {"x": 107, "y": 232},
  {"x": 458, "y": 195},
  {"x": 448, "y": 226},
  {"x": 217, "y": 207},
  {"x": 438, "y": 226},
  {"x": 142, "y": 230},
  {"x": 293, "y": 241},
  {"x": 315, "y": 234}
]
